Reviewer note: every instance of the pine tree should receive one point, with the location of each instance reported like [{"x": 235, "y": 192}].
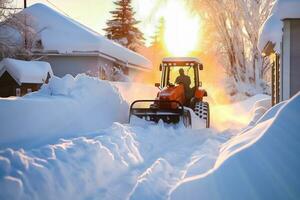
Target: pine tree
[
  {"x": 158, "y": 37},
  {"x": 122, "y": 27}
]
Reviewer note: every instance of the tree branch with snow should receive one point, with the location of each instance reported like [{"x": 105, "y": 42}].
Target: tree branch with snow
[{"x": 17, "y": 37}]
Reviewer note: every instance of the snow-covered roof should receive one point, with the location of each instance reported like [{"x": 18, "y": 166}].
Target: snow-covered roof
[
  {"x": 181, "y": 59},
  {"x": 26, "y": 71},
  {"x": 64, "y": 35},
  {"x": 272, "y": 29}
]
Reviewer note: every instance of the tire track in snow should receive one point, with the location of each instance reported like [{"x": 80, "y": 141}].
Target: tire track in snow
[
  {"x": 185, "y": 153},
  {"x": 122, "y": 162}
]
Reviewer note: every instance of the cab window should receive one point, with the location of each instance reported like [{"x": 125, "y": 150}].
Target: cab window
[{"x": 174, "y": 73}]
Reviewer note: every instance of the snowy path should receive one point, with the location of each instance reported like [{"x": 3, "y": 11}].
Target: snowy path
[
  {"x": 119, "y": 161},
  {"x": 122, "y": 162},
  {"x": 171, "y": 155}
]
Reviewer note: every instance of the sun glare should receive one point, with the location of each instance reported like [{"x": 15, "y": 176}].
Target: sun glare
[{"x": 182, "y": 29}]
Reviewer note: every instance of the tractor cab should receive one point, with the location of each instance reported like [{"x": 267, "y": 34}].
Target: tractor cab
[
  {"x": 171, "y": 77},
  {"x": 170, "y": 70}
]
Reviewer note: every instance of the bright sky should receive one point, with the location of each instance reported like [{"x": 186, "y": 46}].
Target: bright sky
[
  {"x": 92, "y": 13},
  {"x": 95, "y": 13}
]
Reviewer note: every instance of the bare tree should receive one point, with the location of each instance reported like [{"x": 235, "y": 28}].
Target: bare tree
[
  {"x": 17, "y": 37},
  {"x": 236, "y": 25}
]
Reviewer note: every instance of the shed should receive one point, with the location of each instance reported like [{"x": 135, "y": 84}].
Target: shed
[{"x": 18, "y": 77}]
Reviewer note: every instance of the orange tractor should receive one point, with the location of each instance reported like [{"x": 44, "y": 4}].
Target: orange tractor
[{"x": 180, "y": 96}]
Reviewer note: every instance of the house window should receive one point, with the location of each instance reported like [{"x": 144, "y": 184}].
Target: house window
[
  {"x": 18, "y": 92},
  {"x": 29, "y": 90}
]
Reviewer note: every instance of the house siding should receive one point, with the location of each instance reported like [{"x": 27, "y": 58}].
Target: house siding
[
  {"x": 286, "y": 61},
  {"x": 62, "y": 65},
  {"x": 295, "y": 57}
]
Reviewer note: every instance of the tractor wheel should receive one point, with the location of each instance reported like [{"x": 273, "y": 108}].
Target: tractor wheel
[{"x": 202, "y": 111}]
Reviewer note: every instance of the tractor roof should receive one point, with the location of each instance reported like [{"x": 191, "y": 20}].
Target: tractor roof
[{"x": 181, "y": 59}]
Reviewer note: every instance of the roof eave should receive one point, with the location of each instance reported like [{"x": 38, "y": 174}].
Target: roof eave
[
  {"x": 290, "y": 18},
  {"x": 91, "y": 54}
]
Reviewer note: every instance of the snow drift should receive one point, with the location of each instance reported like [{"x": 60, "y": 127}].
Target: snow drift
[
  {"x": 62, "y": 108},
  {"x": 261, "y": 163},
  {"x": 141, "y": 161},
  {"x": 121, "y": 162}
]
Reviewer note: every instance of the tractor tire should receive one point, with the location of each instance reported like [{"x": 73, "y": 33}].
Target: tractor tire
[{"x": 202, "y": 111}]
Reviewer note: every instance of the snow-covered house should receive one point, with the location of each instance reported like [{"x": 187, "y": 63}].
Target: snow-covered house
[
  {"x": 280, "y": 42},
  {"x": 19, "y": 77},
  {"x": 72, "y": 48}
]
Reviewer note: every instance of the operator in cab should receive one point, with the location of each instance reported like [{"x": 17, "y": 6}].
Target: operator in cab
[{"x": 186, "y": 81}]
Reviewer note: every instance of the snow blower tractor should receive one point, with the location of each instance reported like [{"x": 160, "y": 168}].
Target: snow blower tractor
[{"x": 180, "y": 98}]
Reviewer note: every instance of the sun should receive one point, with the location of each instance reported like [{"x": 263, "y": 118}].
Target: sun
[{"x": 182, "y": 29}]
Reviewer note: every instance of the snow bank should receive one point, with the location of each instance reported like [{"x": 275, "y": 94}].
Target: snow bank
[
  {"x": 60, "y": 171},
  {"x": 121, "y": 162},
  {"x": 272, "y": 29},
  {"x": 261, "y": 163},
  {"x": 136, "y": 161},
  {"x": 26, "y": 71},
  {"x": 65, "y": 35},
  {"x": 66, "y": 106}
]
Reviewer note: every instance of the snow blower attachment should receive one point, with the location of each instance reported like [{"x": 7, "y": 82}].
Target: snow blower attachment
[
  {"x": 180, "y": 95},
  {"x": 167, "y": 111}
]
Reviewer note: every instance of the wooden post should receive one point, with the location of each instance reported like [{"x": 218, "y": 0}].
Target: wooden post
[
  {"x": 273, "y": 82},
  {"x": 277, "y": 77}
]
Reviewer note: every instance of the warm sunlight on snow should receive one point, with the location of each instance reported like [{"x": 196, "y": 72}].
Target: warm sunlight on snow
[
  {"x": 182, "y": 29},
  {"x": 149, "y": 99}
]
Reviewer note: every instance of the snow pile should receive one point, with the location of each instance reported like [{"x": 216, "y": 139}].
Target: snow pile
[
  {"x": 60, "y": 86},
  {"x": 26, "y": 71},
  {"x": 65, "y": 35},
  {"x": 272, "y": 29},
  {"x": 121, "y": 162},
  {"x": 59, "y": 171},
  {"x": 261, "y": 163},
  {"x": 136, "y": 161},
  {"x": 62, "y": 108}
]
